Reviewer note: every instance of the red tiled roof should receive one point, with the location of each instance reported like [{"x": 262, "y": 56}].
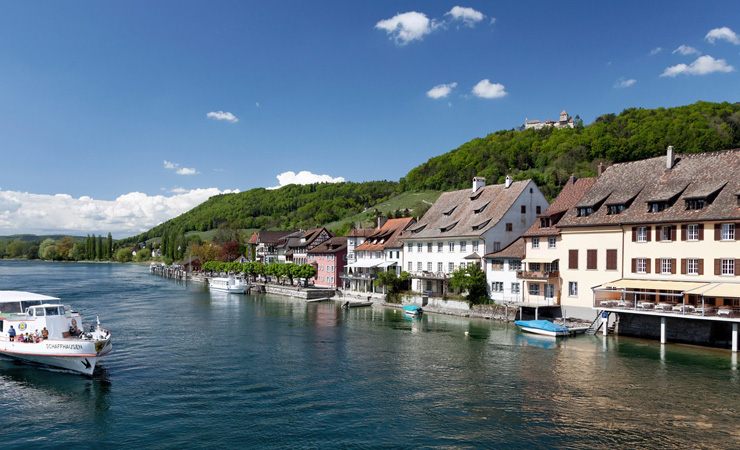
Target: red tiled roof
[
  {"x": 571, "y": 194},
  {"x": 516, "y": 249},
  {"x": 387, "y": 236},
  {"x": 333, "y": 245}
]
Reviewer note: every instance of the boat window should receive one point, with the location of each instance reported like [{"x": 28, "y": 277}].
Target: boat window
[
  {"x": 39, "y": 312},
  {"x": 25, "y": 304},
  {"x": 52, "y": 312}
]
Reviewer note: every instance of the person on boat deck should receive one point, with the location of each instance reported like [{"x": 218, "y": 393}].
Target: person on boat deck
[
  {"x": 11, "y": 333},
  {"x": 45, "y": 333},
  {"x": 37, "y": 334}
]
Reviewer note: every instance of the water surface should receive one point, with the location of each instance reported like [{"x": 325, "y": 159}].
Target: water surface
[{"x": 197, "y": 369}]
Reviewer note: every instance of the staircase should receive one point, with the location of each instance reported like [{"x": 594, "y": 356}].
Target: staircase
[{"x": 597, "y": 323}]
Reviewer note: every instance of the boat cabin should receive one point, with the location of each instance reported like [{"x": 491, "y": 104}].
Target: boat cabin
[{"x": 35, "y": 312}]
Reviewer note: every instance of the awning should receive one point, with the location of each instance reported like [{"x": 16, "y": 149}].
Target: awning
[
  {"x": 724, "y": 290},
  {"x": 364, "y": 264},
  {"x": 387, "y": 264},
  {"x": 539, "y": 260},
  {"x": 654, "y": 285}
]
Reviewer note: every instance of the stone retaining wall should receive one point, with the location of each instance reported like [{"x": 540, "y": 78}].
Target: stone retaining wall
[{"x": 305, "y": 293}]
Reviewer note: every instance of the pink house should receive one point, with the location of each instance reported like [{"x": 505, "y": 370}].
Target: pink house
[{"x": 329, "y": 258}]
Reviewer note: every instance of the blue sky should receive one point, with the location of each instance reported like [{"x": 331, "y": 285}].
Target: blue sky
[{"x": 115, "y": 116}]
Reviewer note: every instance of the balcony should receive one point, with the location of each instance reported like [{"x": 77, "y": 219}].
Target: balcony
[
  {"x": 537, "y": 275},
  {"x": 358, "y": 276},
  {"x": 426, "y": 275}
]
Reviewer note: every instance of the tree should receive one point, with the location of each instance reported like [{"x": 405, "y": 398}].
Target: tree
[
  {"x": 108, "y": 247},
  {"x": 471, "y": 280},
  {"x": 47, "y": 249},
  {"x": 99, "y": 248},
  {"x": 124, "y": 254},
  {"x": 143, "y": 255},
  {"x": 229, "y": 251},
  {"x": 64, "y": 247}
]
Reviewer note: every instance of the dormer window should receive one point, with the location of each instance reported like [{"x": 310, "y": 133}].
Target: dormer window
[
  {"x": 695, "y": 204},
  {"x": 480, "y": 210},
  {"x": 444, "y": 229},
  {"x": 585, "y": 211},
  {"x": 481, "y": 225},
  {"x": 476, "y": 195},
  {"x": 614, "y": 209},
  {"x": 656, "y": 207},
  {"x": 544, "y": 222}
]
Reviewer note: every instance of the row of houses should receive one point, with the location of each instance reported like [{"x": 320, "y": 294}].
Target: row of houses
[{"x": 656, "y": 236}]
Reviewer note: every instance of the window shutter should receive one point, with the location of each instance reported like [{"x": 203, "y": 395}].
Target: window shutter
[
  {"x": 611, "y": 260},
  {"x": 673, "y": 233},
  {"x": 657, "y": 234},
  {"x": 701, "y": 231},
  {"x": 634, "y": 265},
  {"x": 737, "y": 267},
  {"x": 683, "y": 232},
  {"x": 658, "y": 268},
  {"x": 647, "y": 265},
  {"x": 717, "y": 231},
  {"x": 634, "y": 234},
  {"x": 591, "y": 256},
  {"x": 701, "y": 267},
  {"x": 673, "y": 266},
  {"x": 717, "y": 266},
  {"x": 649, "y": 230},
  {"x": 683, "y": 266},
  {"x": 573, "y": 259}
]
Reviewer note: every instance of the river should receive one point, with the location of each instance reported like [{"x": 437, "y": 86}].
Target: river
[{"x": 196, "y": 369}]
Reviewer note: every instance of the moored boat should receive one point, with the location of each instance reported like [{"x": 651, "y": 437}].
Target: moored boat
[
  {"x": 230, "y": 284},
  {"x": 543, "y": 327},
  {"x": 69, "y": 344},
  {"x": 412, "y": 310}
]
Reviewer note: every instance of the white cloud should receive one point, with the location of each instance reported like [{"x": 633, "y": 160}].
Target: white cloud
[
  {"x": 486, "y": 89},
  {"x": 722, "y": 34},
  {"x": 221, "y": 115},
  {"x": 469, "y": 16},
  {"x": 127, "y": 215},
  {"x": 702, "y": 66},
  {"x": 180, "y": 170},
  {"x": 655, "y": 51},
  {"x": 686, "y": 50},
  {"x": 304, "y": 177},
  {"x": 407, "y": 27},
  {"x": 441, "y": 90},
  {"x": 622, "y": 83}
]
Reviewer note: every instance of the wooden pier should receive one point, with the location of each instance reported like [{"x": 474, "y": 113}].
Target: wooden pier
[{"x": 173, "y": 273}]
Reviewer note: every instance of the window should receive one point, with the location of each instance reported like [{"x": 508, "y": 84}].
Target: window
[
  {"x": 452, "y": 246},
  {"x": 666, "y": 233},
  {"x": 692, "y": 232},
  {"x": 544, "y": 222},
  {"x": 534, "y": 289},
  {"x": 692, "y": 267},
  {"x": 535, "y": 242},
  {"x": 641, "y": 265},
  {"x": 728, "y": 267},
  {"x": 439, "y": 267},
  {"x": 440, "y": 246},
  {"x": 695, "y": 203},
  {"x": 642, "y": 234},
  {"x": 665, "y": 266},
  {"x": 463, "y": 245},
  {"x": 591, "y": 256},
  {"x": 410, "y": 247},
  {"x": 418, "y": 266},
  {"x": 584, "y": 211},
  {"x": 728, "y": 231},
  {"x": 378, "y": 255},
  {"x": 475, "y": 246},
  {"x": 515, "y": 264},
  {"x": 411, "y": 266},
  {"x": 573, "y": 289},
  {"x": 509, "y": 226},
  {"x": 497, "y": 286},
  {"x": 419, "y": 246},
  {"x": 450, "y": 267},
  {"x": 524, "y": 209},
  {"x": 551, "y": 242},
  {"x": 573, "y": 259},
  {"x": 497, "y": 264},
  {"x": 655, "y": 207},
  {"x": 538, "y": 210},
  {"x": 611, "y": 260},
  {"x": 614, "y": 209},
  {"x": 534, "y": 267},
  {"x": 514, "y": 288},
  {"x": 429, "y": 267},
  {"x": 496, "y": 246},
  {"x": 429, "y": 247}
]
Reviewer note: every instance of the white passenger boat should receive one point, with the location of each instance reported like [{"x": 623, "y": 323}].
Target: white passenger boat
[
  {"x": 230, "y": 284},
  {"x": 70, "y": 344}
]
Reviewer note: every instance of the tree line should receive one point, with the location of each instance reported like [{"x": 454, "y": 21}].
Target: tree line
[{"x": 254, "y": 268}]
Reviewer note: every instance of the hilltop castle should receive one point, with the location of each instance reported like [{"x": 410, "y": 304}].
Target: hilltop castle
[{"x": 565, "y": 121}]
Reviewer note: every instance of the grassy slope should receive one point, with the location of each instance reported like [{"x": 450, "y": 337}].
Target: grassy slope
[{"x": 407, "y": 200}]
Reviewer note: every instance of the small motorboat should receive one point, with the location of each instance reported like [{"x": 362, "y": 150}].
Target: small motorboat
[
  {"x": 543, "y": 327},
  {"x": 412, "y": 310}
]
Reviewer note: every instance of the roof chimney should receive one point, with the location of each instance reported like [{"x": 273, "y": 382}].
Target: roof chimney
[
  {"x": 573, "y": 178},
  {"x": 670, "y": 158},
  {"x": 381, "y": 221},
  {"x": 508, "y": 181},
  {"x": 601, "y": 168},
  {"x": 478, "y": 182}
]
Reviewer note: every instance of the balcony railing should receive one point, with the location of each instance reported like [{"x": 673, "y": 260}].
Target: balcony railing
[
  {"x": 661, "y": 303},
  {"x": 537, "y": 275},
  {"x": 429, "y": 275},
  {"x": 358, "y": 276}
]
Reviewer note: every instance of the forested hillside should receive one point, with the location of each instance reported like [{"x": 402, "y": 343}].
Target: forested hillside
[{"x": 549, "y": 156}]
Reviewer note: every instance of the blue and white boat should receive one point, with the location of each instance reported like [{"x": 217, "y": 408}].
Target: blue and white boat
[
  {"x": 543, "y": 327},
  {"x": 412, "y": 310}
]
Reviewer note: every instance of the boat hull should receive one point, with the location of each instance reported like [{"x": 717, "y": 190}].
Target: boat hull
[
  {"x": 543, "y": 332},
  {"x": 542, "y": 327},
  {"x": 234, "y": 290},
  {"x": 75, "y": 355}
]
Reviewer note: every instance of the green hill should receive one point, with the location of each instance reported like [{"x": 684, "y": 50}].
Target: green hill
[{"x": 549, "y": 156}]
